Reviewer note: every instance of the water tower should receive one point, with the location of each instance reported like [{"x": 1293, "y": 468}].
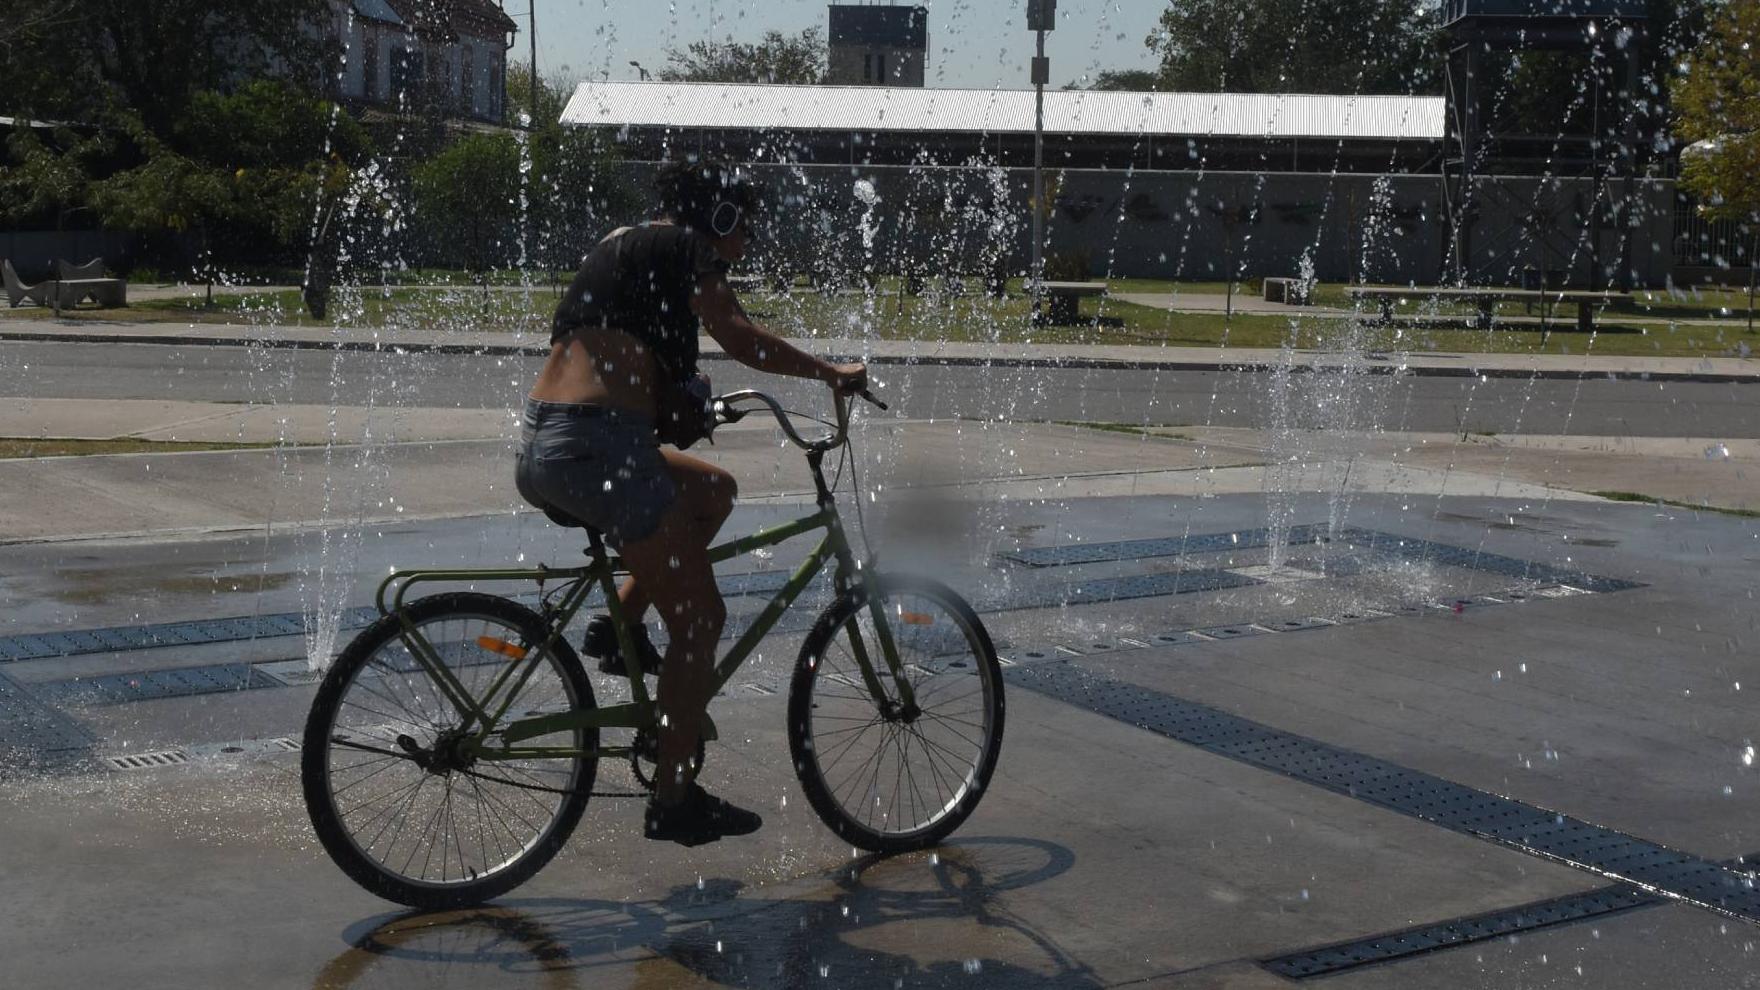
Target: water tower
[{"x": 1478, "y": 32}]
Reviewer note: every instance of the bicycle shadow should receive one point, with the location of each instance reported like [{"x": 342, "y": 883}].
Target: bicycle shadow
[{"x": 927, "y": 919}]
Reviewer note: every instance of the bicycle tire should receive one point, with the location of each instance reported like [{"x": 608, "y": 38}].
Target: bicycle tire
[
  {"x": 820, "y": 716},
  {"x": 380, "y": 654}
]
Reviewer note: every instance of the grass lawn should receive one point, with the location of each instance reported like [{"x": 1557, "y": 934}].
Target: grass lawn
[{"x": 889, "y": 314}]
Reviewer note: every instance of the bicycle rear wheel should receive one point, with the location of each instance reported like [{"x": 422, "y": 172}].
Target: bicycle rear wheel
[
  {"x": 886, "y": 780},
  {"x": 401, "y": 809}
]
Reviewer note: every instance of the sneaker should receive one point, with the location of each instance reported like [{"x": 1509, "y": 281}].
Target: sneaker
[
  {"x": 601, "y": 643},
  {"x": 697, "y": 819}
]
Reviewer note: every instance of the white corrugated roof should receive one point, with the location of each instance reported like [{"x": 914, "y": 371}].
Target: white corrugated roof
[{"x": 757, "y": 106}]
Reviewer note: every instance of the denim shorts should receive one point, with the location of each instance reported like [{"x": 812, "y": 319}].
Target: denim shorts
[{"x": 594, "y": 465}]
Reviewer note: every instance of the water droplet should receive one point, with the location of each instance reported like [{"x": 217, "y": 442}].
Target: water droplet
[{"x": 974, "y": 966}]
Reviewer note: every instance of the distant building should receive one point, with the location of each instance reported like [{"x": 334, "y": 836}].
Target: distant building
[
  {"x": 408, "y": 55},
  {"x": 877, "y": 46}
]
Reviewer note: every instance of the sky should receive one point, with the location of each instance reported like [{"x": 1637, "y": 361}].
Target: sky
[{"x": 973, "y": 44}]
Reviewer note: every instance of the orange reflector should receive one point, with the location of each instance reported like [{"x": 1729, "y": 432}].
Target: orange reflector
[
  {"x": 917, "y": 618},
  {"x": 501, "y": 646}
]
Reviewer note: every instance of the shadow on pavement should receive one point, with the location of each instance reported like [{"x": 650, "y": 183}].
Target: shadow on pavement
[{"x": 927, "y": 919}]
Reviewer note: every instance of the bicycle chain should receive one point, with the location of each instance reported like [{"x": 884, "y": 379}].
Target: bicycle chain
[{"x": 554, "y": 790}]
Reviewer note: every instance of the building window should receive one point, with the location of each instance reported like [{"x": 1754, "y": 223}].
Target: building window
[
  {"x": 406, "y": 73},
  {"x": 867, "y": 68},
  {"x": 467, "y": 80},
  {"x": 370, "y": 67},
  {"x": 881, "y": 62}
]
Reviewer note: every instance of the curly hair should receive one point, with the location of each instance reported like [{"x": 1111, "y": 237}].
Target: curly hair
[{"x": 691, "y": 190}]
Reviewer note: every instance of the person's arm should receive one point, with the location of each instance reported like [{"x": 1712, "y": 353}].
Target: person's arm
[{"x": 753, "y": 346}]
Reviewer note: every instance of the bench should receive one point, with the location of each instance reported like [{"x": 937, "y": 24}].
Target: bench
[
  {"x": 1063, "y": 299},
  {"x": 1289, "y": 291},
  {"x": 1487, "y": 299},
  {"x": 106, "y": 292}
]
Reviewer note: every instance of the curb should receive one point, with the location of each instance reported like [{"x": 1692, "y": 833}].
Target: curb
[{"x": 1076, "y": 363}]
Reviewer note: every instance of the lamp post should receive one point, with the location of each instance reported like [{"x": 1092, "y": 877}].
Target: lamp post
[
  {"x": 1041, "y": 17},
  {"x": 638, "y": 67}
]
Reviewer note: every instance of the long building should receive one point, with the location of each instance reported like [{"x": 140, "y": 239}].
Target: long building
[
  {"x": 1165, "y": 185},
  {"x": 872, "y": 125}
]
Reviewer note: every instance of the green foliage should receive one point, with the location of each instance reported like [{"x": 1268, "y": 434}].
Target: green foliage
[
  {"x": 90, "y": 58},
  {"x": 1297, "y": 46},
  {"x": 167, "y": 191},
  {"x": 553, "y": 96},
  {"x": 776, "y": 58},
  {"x": 468, "y": 198},
  {"x": 1718, "y": 101},
  {"x": 1128, "y": 80},
  {"x": 576, "y": 188},
  {"x": 50, "y": 174}
]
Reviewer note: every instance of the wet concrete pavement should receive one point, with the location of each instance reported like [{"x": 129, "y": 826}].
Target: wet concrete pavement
[
  {"x": 1454, "y": 615},
  {"x": 1105, "y": 853}
]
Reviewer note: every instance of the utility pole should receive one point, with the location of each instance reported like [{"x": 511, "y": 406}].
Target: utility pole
[
  {"x": 1041, "y": 17},
  {"x": 534, "y": 18}
]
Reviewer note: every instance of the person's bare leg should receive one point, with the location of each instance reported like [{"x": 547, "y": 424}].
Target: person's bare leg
[
  {"x": 671, "y": 569},
  {"x": 708, "y": 493},
  {"x": 672, "y": 564}
]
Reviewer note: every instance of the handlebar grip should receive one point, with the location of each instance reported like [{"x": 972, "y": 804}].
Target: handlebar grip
[{"x": 864, "y": 393}]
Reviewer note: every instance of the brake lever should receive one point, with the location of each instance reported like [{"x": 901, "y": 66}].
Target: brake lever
[{"x": 864, "y": 393}]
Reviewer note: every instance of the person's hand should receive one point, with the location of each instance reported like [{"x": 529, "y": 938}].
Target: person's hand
[{"x": 848, "y": 379}]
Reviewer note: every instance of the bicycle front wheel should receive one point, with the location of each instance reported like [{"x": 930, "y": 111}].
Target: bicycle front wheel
[
  {"x": 884, "y": 777},
  {"x": 404, "y": 809}
]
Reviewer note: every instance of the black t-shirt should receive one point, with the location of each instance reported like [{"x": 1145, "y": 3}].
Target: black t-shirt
[{"x": 641, "y": 281}]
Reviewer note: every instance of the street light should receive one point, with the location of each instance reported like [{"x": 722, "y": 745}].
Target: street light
[
  {"x": 638, "y": 68},
  {"x": 1041, "y": 17}
]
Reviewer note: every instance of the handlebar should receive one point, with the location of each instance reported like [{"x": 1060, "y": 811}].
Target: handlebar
[{"x": 726, "y": 412}]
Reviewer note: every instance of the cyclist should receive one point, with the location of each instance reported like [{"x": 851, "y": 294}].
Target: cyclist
[{"x": 623, "y": 344}]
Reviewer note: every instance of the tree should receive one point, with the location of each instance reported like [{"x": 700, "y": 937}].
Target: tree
[
  {"x": 1128, "y": 80},
  {"x": 467, "y": 199},
  {"x": 50, "y": 172},
  {"x": 577, "y": 188},
  {"x": 777, "y": 58},
  {"x": 1717, "y": 101},
  {"x": 1296, "y": 46},
  {"x": 96, "y": 56}
]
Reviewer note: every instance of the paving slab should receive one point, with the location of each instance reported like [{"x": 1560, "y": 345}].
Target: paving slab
[{"x": 1063, "y": 878}]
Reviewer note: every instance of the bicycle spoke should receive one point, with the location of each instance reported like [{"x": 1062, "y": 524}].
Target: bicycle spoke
[
  {"x": 891, "y": 776},
  {"x": 433, "y": 816}
]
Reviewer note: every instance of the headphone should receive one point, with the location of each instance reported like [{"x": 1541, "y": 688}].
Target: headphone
[{"x": 725, "y": 220}]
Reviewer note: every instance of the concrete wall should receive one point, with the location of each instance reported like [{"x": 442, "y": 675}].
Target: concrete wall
[{"x": 1192, "y": 225}]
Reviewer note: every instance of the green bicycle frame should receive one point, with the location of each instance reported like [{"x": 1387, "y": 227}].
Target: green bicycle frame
[{"x": 481, "y": 717}]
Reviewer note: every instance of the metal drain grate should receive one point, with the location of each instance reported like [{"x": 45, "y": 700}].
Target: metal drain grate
[
  {"x": 1461, "y": 931},
  {"x": 1442, "y": 802},
  {"x": 1112, "y": 589},
  {"x": 1345, "y": 540},
  {"x": 1389, "y": 946},
  {"x": 118, "y": 639},
  {"x": 112, "y": 689},
  {"x": 1095, "y": 553},
  {"x": 147, "y": 761},
  {"x": 29, "y": 728}
]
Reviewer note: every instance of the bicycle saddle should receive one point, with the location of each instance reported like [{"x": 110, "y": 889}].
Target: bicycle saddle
[{"x": 562, "y": 518}]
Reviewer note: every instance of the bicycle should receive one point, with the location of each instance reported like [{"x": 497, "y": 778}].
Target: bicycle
[{"x": 469, "y": 714}]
